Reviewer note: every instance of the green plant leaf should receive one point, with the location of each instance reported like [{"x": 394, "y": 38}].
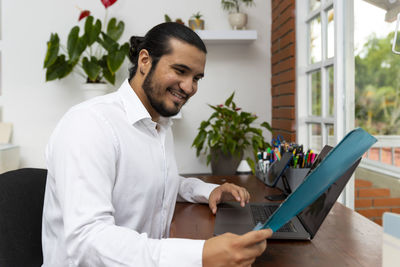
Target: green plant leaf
[
  {"x": 229, "y": 100},
  {"x": 197, "y": 15},
  {"x": 167, "y": 18},
  {"x": 257, "y": 142},
  {"x": 75, "y": 45},
  {"x": 108, "y": 43},
  {"x": 200, "y": 138},
  {"x": 203, "y": 125},
  {"x": 199, "y": 141},
  {"x": 251, "y": 164},
  {"x": 92, "y": 31},
  {"x": 72, "y": 42},
  {"x": 59, "y": 69},
  {"x": 232, "y": 148},
  {"x": 248, "y": 2},
  {"x": 92, "y": 68},
  {"x": 208, "y": 159},
  {"x": 249, "y": 120},
  {"x": 267, "y": 126},
  {"x": 53, "y": 46},
  {"x": 228, "y": 4},
  {"x": 108, "y": 75},
  {"x": 115, "y": 60},
  {"x": 214, "y": 107},
  {"x": 115, "y": 30},
  {"x": 255, "y": 130},
  {"x": 125, "y": 48}
]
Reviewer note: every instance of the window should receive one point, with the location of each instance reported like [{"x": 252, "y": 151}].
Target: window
[
  {"x": 317, "y": 119},
  {"x": 325, "y": 75},
  {"x": 1, "y": 65}
]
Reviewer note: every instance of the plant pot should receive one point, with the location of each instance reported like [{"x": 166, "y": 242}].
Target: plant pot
[
  {"x": 91, "y": 90},
  {"x": 222, "y": 164},
  {"x": 196, "y": 24},
  {"x": 238, "y": 21}
]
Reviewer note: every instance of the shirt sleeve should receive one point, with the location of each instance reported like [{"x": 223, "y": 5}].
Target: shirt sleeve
[
  {"x": 82, "y": 156},
  {"x": 194, "y": 190}
]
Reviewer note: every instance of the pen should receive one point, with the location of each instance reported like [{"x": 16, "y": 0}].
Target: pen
[
  {"x": 304, "y": 161},
  {"x": 277, "y": 154},
  {"x": 313, "y": 158},
  {"x": 309, "y": 160}
]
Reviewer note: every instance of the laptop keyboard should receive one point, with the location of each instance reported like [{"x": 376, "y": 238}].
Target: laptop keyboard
[{"x": 262, "y": 213}]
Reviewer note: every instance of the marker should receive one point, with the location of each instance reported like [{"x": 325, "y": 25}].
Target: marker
[
  {"x": 266, "y": 166},
  {"x": 296, "y": 158},
  {"x": 277, "y": 154},
  {"x": 313, "y": 158}
]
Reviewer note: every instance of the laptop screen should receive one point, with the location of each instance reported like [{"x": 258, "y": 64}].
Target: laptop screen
[{"x": 313, "y": 216}]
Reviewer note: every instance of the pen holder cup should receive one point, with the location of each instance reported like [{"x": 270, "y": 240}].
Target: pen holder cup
[
  {"x": 294, "y": 177},
  {"x": 260, "y": 175}
]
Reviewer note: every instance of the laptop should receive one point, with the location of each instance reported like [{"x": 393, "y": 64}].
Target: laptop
[{"x": 231, "y": 217}]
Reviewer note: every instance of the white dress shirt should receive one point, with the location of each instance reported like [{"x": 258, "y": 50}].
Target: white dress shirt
[{"x": 111, "y": 189}]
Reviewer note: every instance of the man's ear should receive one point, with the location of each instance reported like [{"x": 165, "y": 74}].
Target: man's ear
[{"x": 144, "y": 62}]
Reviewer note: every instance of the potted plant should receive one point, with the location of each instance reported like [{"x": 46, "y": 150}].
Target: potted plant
[
  {"x": 167, "y": 18},
  {"x": 227, "y": 134},
  {"x": 95, "y": 55},
  {"x": 195, "y": 22},
  {"x": 237, "y": 19}
]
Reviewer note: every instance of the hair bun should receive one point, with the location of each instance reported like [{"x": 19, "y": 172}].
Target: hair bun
[{"x": 135, "y": 43}]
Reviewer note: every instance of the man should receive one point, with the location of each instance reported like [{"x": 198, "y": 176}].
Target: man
[{"x": 112, "y": 178}]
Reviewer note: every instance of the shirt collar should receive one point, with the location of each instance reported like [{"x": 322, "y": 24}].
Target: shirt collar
[{"x": 135, "y": 109}]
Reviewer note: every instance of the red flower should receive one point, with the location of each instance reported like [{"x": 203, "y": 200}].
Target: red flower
[
  {"x": 237, "y": 109},
  {"x": 220, "y": 106},
  {"x": 108, "y": 3},
  {"x": 84, "y": 14}
]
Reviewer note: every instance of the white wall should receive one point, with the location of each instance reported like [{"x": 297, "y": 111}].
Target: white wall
[{"x": 34, "y": 106}]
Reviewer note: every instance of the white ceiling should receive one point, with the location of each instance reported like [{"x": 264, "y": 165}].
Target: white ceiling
[{"x": 392, "y": 8}]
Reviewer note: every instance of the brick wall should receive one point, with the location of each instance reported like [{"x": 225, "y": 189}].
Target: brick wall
[
  {"x": 283, "y": 65},
  {"x": 372, "y": 202}
]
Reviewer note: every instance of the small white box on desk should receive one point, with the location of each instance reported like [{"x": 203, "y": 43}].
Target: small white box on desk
[
  {"x": 391, "y": 240},
  {"x": 9, "y": 157}
]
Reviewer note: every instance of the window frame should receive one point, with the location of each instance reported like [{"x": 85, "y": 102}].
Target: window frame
[{"x": 343, "y": 68}]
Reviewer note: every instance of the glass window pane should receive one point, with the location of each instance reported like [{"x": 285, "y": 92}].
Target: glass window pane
[
  {"x": 331, "y": 34},
  {"x": 331, "y": 103},
  {"x": 315, "y": 40},
  {"x": 316, "y": 138},
  {"x": 314, "y": 4},
  {"x": 316, "y": 93},
  {"x": 331, "y": 134}
]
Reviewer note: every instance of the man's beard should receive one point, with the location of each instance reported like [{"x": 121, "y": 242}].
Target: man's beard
[{"x": 157, "y": 104}]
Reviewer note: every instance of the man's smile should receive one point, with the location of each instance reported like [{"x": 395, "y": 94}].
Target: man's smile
[{"x": 179, "y": 96}]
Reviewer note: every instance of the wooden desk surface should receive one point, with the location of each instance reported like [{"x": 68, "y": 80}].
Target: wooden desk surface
[{"x": 344, "y": 239}]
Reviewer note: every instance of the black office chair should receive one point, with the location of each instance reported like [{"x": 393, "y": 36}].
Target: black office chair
[{"x": 21, "y": 208}]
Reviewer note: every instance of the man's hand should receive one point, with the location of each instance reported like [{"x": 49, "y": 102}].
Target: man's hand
[
  {"x": 225, "y": 192},
  {"x": 235, "y": 250}
]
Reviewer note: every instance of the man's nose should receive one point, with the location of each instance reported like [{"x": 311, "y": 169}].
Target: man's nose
[{"x": 187, "y": 85}]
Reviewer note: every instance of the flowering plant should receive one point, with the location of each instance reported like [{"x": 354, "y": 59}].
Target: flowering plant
[
  {"x": 94, "y": 55},
  {"x": 230, "y": 130}
]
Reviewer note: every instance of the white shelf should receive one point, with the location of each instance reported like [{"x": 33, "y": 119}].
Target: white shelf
[
  {"x": 227, "y": 36},
  {"x": 9, "y": 157}
]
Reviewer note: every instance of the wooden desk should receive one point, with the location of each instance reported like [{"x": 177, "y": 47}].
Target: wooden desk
[{"x": 344, "y": 239}]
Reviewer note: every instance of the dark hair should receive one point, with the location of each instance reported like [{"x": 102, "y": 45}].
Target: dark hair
[{"x": 156, "y": 42}]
